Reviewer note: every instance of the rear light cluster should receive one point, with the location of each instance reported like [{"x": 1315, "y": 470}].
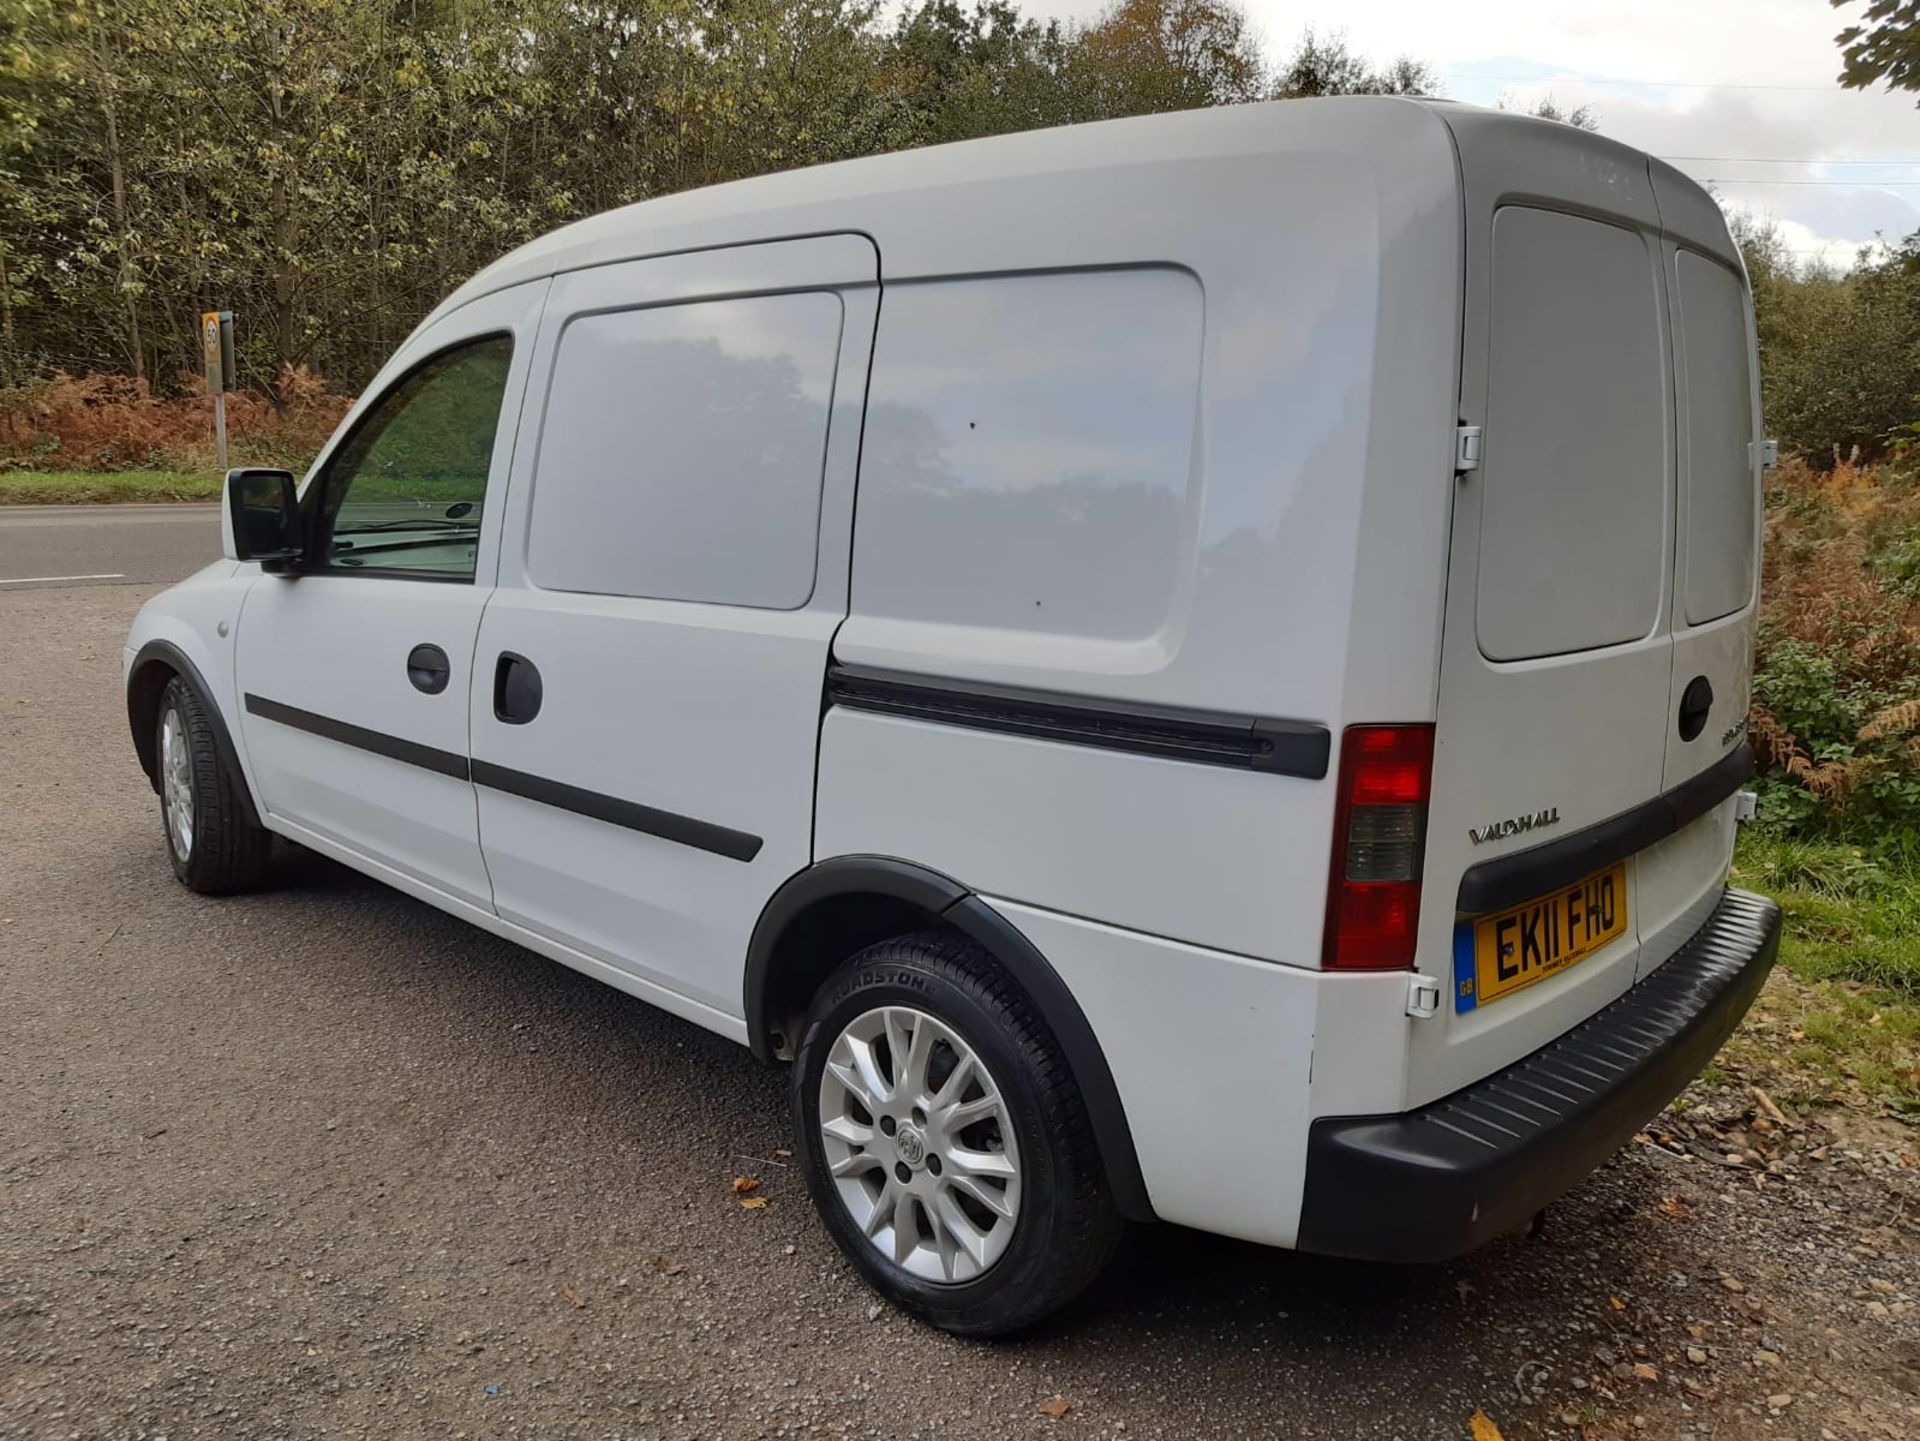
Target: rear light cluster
[{"x": 1379, "y": 834}]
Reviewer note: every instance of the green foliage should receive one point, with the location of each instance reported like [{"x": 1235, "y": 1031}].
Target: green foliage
[
  {"x": 1896, "y": 565},
  {"x": 1843, "y": 1021},
  {"x": 1840, "y": 775},
  {"x": 74, "y": 487},
  {"x": 1830, "y": 871},
  {"x": 329, "y": 169},
  {"x": 1325, "y": 66},
  {"x": 1836, "y": 690},
  {"x": 1885, "y": 45},
  {"x": 430, "y": 440},
  {"x": 1840, "y": 353},
  {"x": 1580, "y": 117}
]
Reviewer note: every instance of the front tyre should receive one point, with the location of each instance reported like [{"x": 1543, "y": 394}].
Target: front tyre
[
  {"x": 214, "y": 840},
  {"x": 944, "y": 1140}
]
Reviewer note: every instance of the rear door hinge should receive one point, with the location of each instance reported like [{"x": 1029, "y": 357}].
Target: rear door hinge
[
  {"x": 1423, "y": 996},
  {"x": 1466, "y": 448}
]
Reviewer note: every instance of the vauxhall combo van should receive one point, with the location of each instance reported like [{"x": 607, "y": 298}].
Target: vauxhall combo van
[{"x": 1192, "y": 668}]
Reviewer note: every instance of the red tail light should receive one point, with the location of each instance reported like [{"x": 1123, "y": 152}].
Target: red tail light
[{"x": 1379, "y": 833}]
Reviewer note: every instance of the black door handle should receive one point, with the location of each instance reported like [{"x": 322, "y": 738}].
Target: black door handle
[
  {"x": 1695, "y": 704},
  {"x": 516, "y": 689},
  {"x": 427, "y": 668}
]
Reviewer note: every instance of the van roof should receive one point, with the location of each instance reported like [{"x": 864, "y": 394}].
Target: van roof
[{"x": 981, "y": 205}]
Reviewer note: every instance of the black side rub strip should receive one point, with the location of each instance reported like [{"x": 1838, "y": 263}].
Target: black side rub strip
[
  {"x": 667, "y": 825},
  {"x": 1278, "y": 747},
  {"x": 1509, "y": 880},
  {"x": 446, "y": 763}
]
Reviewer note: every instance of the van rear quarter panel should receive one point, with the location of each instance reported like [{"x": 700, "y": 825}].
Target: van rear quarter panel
[{"x": 1305, "y": 499}]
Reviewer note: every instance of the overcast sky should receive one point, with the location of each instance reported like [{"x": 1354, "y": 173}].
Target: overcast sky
[{"x": 1744, "y": 84}]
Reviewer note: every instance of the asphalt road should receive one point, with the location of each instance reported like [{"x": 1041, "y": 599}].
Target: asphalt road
[
  {"x": 323, "y": 1162},
  {"x": 57, "y": 547}
]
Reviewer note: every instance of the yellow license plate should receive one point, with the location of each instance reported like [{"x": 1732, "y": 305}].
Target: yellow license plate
[{"x": 1503, "y": 953}]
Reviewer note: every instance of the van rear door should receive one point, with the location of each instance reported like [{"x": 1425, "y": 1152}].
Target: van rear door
[
  {"x": 1557, "y": 641},
  {"x": 1716, "y": 549}
]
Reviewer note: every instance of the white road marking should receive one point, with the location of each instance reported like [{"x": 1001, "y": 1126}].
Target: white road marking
[{"x": 46, "y": 579}]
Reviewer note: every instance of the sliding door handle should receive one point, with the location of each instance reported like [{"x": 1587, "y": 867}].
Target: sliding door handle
[{"x": 516, "y": 689}]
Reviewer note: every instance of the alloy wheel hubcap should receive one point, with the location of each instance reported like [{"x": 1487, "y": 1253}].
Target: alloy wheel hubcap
[
  {"x": 920, "y": 1144},
  {"x": 176, "y": 784}
]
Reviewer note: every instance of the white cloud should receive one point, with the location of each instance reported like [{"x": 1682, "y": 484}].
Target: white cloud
[{"x": 1741, "y": 82}]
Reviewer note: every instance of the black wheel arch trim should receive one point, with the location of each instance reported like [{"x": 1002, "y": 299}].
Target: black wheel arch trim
[
  {"x": 946, "y": 898},
  {"x": 170, "y": 655}
]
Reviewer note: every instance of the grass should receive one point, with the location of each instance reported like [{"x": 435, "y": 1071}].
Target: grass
[
  {"x": 88, "y": 487},
  {"x": 82, "y": 487},
  {"x": 1840, "y": 1022}
]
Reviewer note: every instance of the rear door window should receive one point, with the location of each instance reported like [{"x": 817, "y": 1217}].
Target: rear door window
[
  {"x": 1574, "y": 515},
  {"x": 1716, "y": 466}
]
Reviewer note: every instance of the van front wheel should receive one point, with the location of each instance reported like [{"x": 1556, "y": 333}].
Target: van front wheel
[
  {"x": 944, "y": 1139},
  {"x": 216, "y": 844}
]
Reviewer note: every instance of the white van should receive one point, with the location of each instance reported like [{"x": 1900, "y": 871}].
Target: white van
[{"x": 1189, "y": 668}]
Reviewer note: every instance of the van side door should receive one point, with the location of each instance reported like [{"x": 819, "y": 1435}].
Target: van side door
[
  {"x": 353, "y": 674},
  {"x": 646, "y": 706}
]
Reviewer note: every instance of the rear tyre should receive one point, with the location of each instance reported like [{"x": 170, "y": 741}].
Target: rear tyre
[
  {"x": 945, "y": 1142},
  {"x": 216, "y": 843}
]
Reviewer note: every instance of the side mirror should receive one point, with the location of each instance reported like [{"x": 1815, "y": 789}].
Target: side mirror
[{"x": 262, "y": 520}]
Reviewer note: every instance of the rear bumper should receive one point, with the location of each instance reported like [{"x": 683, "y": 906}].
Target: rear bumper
[{"x": 1429, "y": 1184}]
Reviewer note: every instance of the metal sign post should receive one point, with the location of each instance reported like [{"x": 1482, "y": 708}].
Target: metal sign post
[{"x": 216, "y": 353}]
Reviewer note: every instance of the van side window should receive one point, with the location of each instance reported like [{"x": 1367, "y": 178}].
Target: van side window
[
  {"x": 404, "y": 492},
  {"x": 1028, "y": 463},
  {"x": 683, "y": 449}
]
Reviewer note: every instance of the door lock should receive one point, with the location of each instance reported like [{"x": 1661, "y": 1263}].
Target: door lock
[{"x": 427, "y": 669}]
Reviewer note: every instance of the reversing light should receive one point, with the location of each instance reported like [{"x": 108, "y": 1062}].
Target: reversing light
[{"x": 1379, "y": 834}]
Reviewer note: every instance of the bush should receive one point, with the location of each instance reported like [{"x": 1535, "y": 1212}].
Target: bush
[
  {"x": 1839, "y": 350},
  {"x": 1836, "y": 696},
  {"x": 104, "y": 422}
]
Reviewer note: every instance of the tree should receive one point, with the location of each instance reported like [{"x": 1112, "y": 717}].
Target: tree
[
  {"x": 330, "y": 169},
  {"x": 1840, "y": 352},
  {"x": 33, "y": 193},
  {"x": 955, "y": 74},
  {"x": 1144, "y": 57},
  {"x": 1884, "y": 46},
  {"x": 1330, "y": 67},
  {"x": 1580, "y": 117}
]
